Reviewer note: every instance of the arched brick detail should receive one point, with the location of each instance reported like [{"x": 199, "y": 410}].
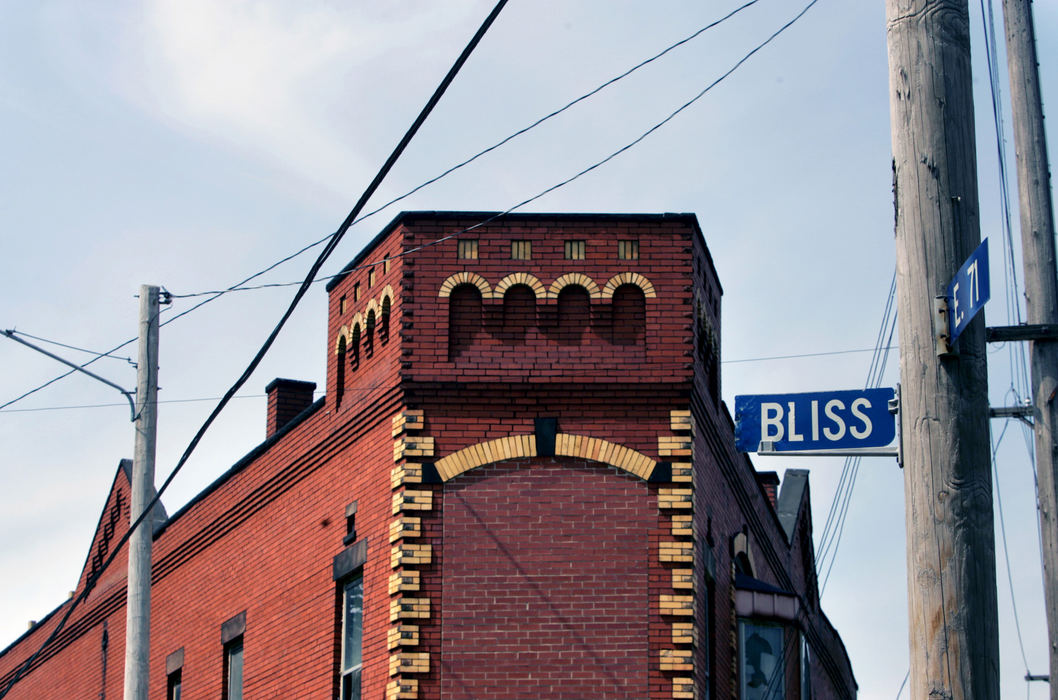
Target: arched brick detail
[
  {"x": 611, "y": 453},
  {"x": 628, "y": 278},
  {"x": 520, "y": 278},
  {"x": 582, "y": 446},
  {"x": 740, "y": 544},
  {"x": 465, "y": 278},
  {"x": 387, "y": 291},
  {"x": 343, "y": 332},
  {"x": 485, "y": 453},
  {"x": 358, "y": 320},
  {"x": 578, "y": 278},
  {"x": 372, "y": 305}
]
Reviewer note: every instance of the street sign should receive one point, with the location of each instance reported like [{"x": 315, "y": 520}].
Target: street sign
[
  {"x": 968, "y": 291},
  {"x": 826, "y": 420}
]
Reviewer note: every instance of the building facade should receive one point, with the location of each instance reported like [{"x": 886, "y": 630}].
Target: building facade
[{"x": 521, "y": 483}]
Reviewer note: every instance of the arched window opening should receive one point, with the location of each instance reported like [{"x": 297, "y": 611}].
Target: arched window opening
[
  {"x": 383, "y": 326},
  {"x": 464, "y": 318},
  {"x": 629, "y": 315},
  {"x": 519, "y": 313},
  {"x": 574, "y": 314},
  {"x": 369, "y": 335},
  {"x": 339, "y": 389},
  {"x": 354, "y": 348}
]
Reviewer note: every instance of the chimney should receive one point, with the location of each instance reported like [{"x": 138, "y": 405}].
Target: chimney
[
  {"x": 286, "y": 399},
  {"x": 769, "y": 481}
]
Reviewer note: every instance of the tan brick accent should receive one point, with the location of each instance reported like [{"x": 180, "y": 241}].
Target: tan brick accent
[
  {"x": 578, "y": 278},
  {"x": 628, "y": 278},
  {"x": 675, "y": 498},
  {"x": 407, "y": 419},
  {"x": 519, "y": 278},
  {"x": 409, "y": 609},
  {"x": 372, "y": 305},
  {"x": 406, "y": 527},
  {"x": 682, "y": 525},
  {"x": 402, "y": 635},
  {"x": 683, "y": 579},
  {"x": 343, "y": 332},
  {"x": 409, "y": 662},
  {"x": 410, "y": 555},
  {"x": 674, "y": 446},
  {"x": 680, "y": 605},
  {"x": 402, "y": 689},
  {"x": 404, "y": 581},
  {"x": 597, "y": 450},
  {"x": 407, "y": 473},
  {"x": 683, "y": 689},
  {"x": 681, "y": 421},
  {"x": 465, "y": 278},
  {"x": 485, "y": 453},
  {"x": 682, "y": 472},
  {"x": 676, "y": 660},
  {"x": 412, "y": 500},
  {"x": 682, "y": 552},
  {"x": 412, "y": 446},
  {"x": 683, "y": 633}
]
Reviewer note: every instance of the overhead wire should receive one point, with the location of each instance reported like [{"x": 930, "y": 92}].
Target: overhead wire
[
  {"x": 241, "y": 286},
  {"x": 336, "y": 238},
  {"x": 839, "y": 506},
  {"x": 368, "y": 192}
]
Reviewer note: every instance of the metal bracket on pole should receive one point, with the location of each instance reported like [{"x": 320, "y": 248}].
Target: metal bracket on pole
[
  {"x": 1026, "y": 331},
  {"x": 1023, "y": 413},
  {"x": 894, "y": 409},
  {"x": 940, "y": 326},
  {"x": 127, "y": 394}
]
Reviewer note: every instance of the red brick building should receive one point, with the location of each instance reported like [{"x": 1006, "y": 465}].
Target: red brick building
[{"x": 521, "y": 483}]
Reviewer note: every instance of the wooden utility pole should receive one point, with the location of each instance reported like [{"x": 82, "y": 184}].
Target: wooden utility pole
[
  {"x": 1041, "y": 286},
  {"x": 944, "y": 403},
  {"x": 138, "y": 608}
]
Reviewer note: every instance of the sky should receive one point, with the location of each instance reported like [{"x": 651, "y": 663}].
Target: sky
[{"x": 190, "y": 144}]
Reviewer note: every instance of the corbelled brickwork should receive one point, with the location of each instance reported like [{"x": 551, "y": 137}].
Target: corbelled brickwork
[{"x": 523, "y": 456}]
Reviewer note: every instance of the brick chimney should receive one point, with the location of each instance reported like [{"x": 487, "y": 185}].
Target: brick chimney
[
  {"x": 286, "y": 399},
  {"x": 769, "y": 481}
]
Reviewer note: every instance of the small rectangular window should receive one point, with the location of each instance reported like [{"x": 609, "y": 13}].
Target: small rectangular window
[
  {"x": 172, "y": 685},
  {"x": 628, "y": 250},
  {"x": 352, "y": 635},
  {"x": 521, "y": 250},
  {"x": 233, "y": 669},
  {"x": 468, "y": 249},
  {"x": 356, "y": 292},
  {"x": 574, "y": 250},
  {"x": 385, "y": 265},
  {"x": 341, "y": 305},
  {"x": 371, "y": 278}
]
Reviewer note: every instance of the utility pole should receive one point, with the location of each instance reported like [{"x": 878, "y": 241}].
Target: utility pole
[
  {"x": 137, "y": 633},
  {"x": 952, "y": 613},
  {"x": 1041, "y": 286}
]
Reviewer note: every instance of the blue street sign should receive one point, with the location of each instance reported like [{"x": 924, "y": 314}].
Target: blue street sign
[
  {"x": 968, "y": 291},
  {"x": 825, "y": 420}
]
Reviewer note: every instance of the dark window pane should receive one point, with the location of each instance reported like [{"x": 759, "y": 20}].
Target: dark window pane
[{"x": 235, "y": 671}]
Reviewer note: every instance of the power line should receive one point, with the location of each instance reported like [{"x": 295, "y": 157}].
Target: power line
[
  {"x": 371, "y": 188},
  {"x": 240, "y": 286},
  {"x": 73, "y": 347}
]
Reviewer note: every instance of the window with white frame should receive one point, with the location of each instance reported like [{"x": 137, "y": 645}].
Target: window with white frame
[{"x": 352, "y": 635}]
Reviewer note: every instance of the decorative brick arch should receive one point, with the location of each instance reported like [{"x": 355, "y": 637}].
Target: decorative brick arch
[
  {"x": 465, "y": 278},
  {"x": 343, "y": 332},
  {"x": 629, "y": 278},
  {"x": 387, "y": 291},
  {"x": 358, "y": 320},
  {"x": 520, "y": 278},
  {"x": 574, "y": 278},
  {"x": 566, "y": 445},
  {"x": 372, "y": 305}
]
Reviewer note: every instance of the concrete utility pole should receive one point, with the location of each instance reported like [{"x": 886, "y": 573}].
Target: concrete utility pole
[
  {"x": 944, "y": 402},
  {"x": 1041, "y": 285},
  {"x": 137, "y": 633}
]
